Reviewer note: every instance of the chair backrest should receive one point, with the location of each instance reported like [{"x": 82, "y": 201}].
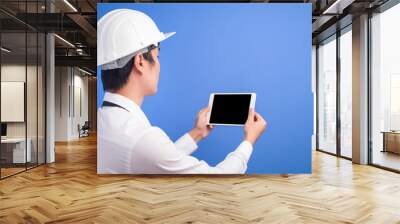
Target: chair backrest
[{"x": 86, "y": 124}]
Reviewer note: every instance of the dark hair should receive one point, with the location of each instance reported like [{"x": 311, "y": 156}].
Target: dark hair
[{"x": 115, "y": 79}]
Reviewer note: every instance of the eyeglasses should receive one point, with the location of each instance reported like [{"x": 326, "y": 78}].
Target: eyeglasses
[
  {"x": 151, "y": 47},
  {"x": 154, "y": 47}
]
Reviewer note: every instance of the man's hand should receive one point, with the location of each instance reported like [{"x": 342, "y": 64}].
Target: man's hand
[
  {"x": 201, "y": 128},
  {"x": 254, "y": 127}
]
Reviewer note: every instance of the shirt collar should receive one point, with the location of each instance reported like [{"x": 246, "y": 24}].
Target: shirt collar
[{"x": 126, "y": 103}]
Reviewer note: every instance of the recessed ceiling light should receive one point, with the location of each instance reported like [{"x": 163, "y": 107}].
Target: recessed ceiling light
[
  {"x": 70, "y": 5},
  {"x": 5, "y": 50},
  {"x": 338, "y": 6},
  {"x": 64, "y": 40},
  {"x": 84, "y": 71}
]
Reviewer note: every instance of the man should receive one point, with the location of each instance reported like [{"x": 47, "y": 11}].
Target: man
[{"x": 128, "y": 48}]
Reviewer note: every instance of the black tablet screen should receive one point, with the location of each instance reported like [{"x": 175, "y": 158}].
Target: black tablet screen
[{"x": 230, "y": 108}]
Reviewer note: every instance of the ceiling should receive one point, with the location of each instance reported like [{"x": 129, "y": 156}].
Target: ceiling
[{"x": 74, "y": 21}]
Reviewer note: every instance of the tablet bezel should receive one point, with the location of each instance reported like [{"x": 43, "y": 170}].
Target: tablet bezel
[{"x": 211, "y": 100}]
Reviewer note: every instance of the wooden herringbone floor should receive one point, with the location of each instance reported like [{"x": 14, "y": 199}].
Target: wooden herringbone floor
[{"x": 70, "y": 191}]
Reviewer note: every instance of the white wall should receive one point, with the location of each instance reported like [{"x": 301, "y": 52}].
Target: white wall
[
  {"x": 12, "y": 73},
  {"x": 13, "y": 100},
  {"x": 33, "y": 127},
  {"x": 81, "y": 84},
  {"x": 61, "y": 103},
  {"x": 71, "y": 94},
  {"x": 16, "y": 73}
]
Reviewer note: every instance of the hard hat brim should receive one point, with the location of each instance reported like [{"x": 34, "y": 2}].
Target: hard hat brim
[{"x": 168, "y": 35}]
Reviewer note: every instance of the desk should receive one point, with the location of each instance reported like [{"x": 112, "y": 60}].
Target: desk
[
  {"x": 391, "y": 141},
  {"x": 13, "y": 150}
]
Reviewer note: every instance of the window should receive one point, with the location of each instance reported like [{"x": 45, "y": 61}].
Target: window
[
  {"x": 327, "y": 95},
  {"x": 385, "y": 88},
  {"x": 346, "y": 92}
]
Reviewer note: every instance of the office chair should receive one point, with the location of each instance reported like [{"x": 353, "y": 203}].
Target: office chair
[{"x": 84, "y": 130}]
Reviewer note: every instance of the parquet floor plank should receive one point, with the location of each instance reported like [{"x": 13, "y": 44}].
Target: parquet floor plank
[{"x": 70, "y": 191}]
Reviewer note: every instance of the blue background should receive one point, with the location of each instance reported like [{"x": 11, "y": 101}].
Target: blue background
[{"x": 262, "y": 48}]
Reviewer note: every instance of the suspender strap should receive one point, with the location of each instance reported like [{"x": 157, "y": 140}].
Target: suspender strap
[{"x": 110, "y": 104}]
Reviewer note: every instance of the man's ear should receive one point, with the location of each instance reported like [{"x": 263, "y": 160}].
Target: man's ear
[{"x": 138, "y": 62}]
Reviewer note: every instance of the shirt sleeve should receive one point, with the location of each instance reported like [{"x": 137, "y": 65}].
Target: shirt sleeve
[
  {"x": 159, "y": 155},
  {"x": 186, "y": 144}
]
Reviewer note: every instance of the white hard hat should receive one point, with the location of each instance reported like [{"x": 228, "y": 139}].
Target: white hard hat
[{"x": 123, "y": 33}]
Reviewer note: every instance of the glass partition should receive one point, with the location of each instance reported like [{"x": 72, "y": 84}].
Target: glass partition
[
  {"x": 22, "y": 77},
  {"x": 13, "y": 109},
  {"x": 31, "y": 97},
  {"x": 41, "y": 96}
]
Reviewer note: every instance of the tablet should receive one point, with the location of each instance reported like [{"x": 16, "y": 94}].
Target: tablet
[{"x": 230, "y": 108}]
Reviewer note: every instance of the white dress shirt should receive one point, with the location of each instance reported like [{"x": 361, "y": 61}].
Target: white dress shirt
[{"x": 129, "y": 144}]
